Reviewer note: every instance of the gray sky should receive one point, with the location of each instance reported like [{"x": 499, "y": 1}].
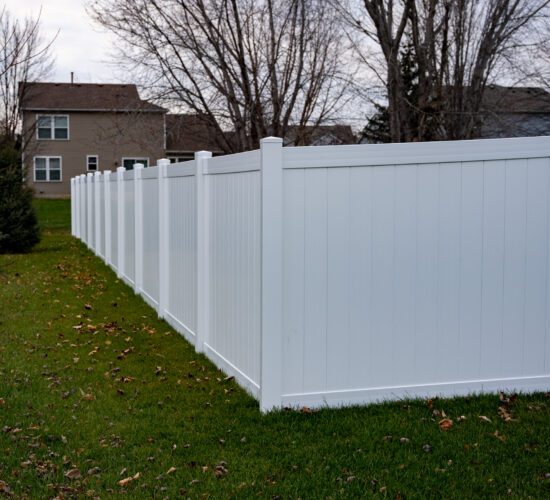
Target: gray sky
[{"x": 80, "y": 46}]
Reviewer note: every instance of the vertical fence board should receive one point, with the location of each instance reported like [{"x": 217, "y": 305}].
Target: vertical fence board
[
  {"x": 536, "y": 243},
  {"x": 426, "y": 261},
  {"x": 151, "y": 238},
  {"x": 448, "y": 270},
  {"x": 471, "y": 258},
  {"x": 405, "y": 273},
  {"x": 129, "y": 230},
  {"x": 360, "y": 352},
  {"x": 514, "y": 266},
  {"x": 338, "y": 275},
  {"x": 494, "y": 192},
  {"x": 315, "y": 270},
  {"x": 383, "y": 273},
  {"x": 113, "y": 189},
  {"x": 293, "y": 280}
]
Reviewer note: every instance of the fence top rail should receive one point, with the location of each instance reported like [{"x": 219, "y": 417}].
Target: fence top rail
[
  {"x": 150, "y": 173},
  {"x": 416, "y": 153},
  {"x": 248, "y": 161},
  {"x": 182, "y": 169},
  {"x": 128, "y": 175}
]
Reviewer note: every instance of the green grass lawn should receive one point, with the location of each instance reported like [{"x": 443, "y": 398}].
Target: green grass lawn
[{"x": 95, "y": 390}]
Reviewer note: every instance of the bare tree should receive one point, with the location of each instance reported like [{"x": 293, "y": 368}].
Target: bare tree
[
  {"x": 256, "y": 66},
  {"x": 458, "y": 47},
  {"x": 24, "y": 57}
]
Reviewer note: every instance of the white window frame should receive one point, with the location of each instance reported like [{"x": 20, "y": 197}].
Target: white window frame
[
  {"x": 136, "y": 160},
  {"x": 52, "y": 127},
  {"x": 179, "y": 159},
  {"x": 96, "y": 163},
  {"x": 47, "y": 158}
]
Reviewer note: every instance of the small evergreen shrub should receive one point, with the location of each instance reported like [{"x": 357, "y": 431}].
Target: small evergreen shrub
[{"x": 19, "y": 229}]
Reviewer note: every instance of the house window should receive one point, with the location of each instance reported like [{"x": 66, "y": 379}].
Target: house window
[
  {"x": 47, "y": 168},
  {"x": 92, "y": 162},
  {"x": 128, "y": 163},
  {"x": 52, "y": 127},
  {"x": 178, "y": 159}
]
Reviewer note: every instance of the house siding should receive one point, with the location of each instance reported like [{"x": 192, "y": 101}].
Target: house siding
[{"x": 110, "y": 136}]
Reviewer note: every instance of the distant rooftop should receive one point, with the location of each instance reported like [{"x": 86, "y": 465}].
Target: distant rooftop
[
  {"x": 40, "y": 96},
  {"x": 190, "y": 132},
  {"x": 499, "y": 99}
]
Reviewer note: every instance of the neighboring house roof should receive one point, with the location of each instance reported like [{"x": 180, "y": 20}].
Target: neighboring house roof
[
  {"x": 40, "y": 96},
  {"x": 190, "y": 132},
  {"x": 323, "y": 135},
  {"x": 497, "y": 99}
]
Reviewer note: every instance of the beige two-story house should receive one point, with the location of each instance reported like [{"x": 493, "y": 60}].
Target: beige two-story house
[{"x": 71, "y": 128}]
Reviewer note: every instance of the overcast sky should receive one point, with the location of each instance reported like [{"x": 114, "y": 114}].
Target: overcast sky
[{"x": 80, "y": 46}]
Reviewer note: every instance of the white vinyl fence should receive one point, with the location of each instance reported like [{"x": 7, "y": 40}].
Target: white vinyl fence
[{"x": 340, "y": 275}]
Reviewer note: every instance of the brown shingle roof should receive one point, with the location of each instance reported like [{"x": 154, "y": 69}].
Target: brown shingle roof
[
  {"x": 321, "y": 135},
  {"x": 84, "y": 97},
  {"x": 499, "y": 99},
  {"x": 190, "y": 132}
]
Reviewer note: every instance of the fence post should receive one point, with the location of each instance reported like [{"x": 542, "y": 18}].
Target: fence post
[
  {"x": 164, "y": 238},
  {"x": 107, "y": 222},
  {"x": 120, "y": 220},
  {"x": 138, "y": 221},
  {"x": 201, "y": 200},
  {"x": 271, "y": 150},
  {"x": 97, "y": 213}
]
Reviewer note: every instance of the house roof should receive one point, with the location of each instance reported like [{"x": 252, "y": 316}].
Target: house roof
[
  {"x": 322, "y": 135},
  {"x": 41, "y": 96},
  {"x": 499, "y": 99},
  {"x": 190, "y": 132}
]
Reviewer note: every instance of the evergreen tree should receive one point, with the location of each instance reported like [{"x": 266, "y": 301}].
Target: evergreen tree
[
  {"x": 377, "y": 129},
  {"x": 19, "y": 229}
]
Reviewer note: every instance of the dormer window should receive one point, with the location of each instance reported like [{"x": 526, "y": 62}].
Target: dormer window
[{"x": 52, "y": 127}]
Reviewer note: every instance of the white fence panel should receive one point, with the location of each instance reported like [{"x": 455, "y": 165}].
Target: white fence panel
[
  {"x": 82, "y": 206},
  {"x": 113, "y": 188},
  {"x": 182, "y": 307},
  {"x": 430, "y": 278},
  {"x": 234, "y": 265},
  {"x": 129, "y": 268},
  {"x": 90, "y": 210},
  {"x": 151, "y": 234},
  {"x": 100, "y": 214}
]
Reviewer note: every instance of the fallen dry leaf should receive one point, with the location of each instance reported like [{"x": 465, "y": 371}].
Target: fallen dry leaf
[
  {"x": 499, "y": 436},
  {"x": 484, "y": 419},
  {"x": 171, "y": 470},
  {"x": 4, "y": 488},
  {"x": 73, "y": 474},
  {"x": 125, "y": 481},
  {"x": 445, "y": 424},
  {"x": 505, "y": 414}
]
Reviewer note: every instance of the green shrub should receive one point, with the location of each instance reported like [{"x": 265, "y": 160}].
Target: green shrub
[{"x": 19, "y": 229}]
